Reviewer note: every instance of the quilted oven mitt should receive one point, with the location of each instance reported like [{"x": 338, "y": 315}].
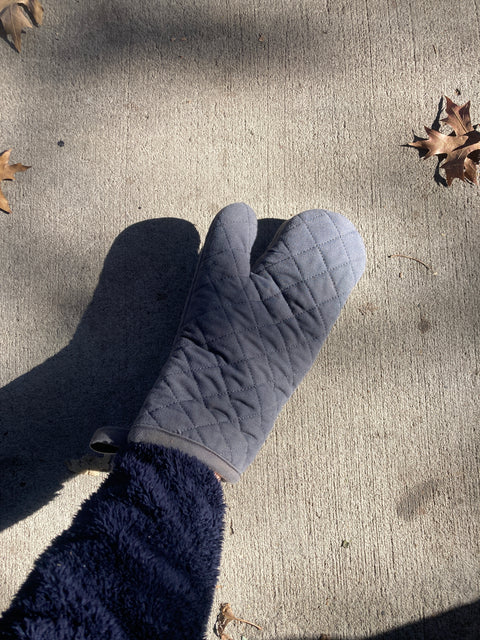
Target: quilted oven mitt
[{"x": 248, "y": 335}]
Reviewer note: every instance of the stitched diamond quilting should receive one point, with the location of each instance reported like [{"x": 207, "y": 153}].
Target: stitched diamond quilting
[{"x": 249, "y": 338}]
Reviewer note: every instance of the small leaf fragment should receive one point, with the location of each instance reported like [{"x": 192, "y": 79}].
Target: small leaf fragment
[
  {"x": 7, "y": 172},
  {"x": 436, "y": 144},
  {"x": 15, "y": 19},
  {"x": 224, "y": 618},
  {"x": 458, "y": 117}
]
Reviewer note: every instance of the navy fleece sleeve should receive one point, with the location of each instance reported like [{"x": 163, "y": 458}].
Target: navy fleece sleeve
[{"x": 140, "y": 559}]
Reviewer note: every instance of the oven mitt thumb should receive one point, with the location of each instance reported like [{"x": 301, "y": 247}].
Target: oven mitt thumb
[{"x": 248, "y": 335}]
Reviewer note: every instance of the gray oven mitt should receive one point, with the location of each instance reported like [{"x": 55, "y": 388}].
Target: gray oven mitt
[{"x": 248, "y": 335}]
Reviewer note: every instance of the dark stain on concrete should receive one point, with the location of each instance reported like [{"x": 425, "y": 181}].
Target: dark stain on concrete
[{"x": 417, "y": 499}]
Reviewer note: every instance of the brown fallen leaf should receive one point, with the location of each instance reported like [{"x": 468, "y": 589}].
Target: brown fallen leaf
[
  {"x": 224, "y": 618},
  {"x": 461, "y": 147},
  {"x": 7, "y": 172},
  {"x": 17, "y": 15},
  {"x": 367, "y": 308}
]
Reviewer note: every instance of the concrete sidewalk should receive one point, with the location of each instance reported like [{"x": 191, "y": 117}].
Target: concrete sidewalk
[{"x": 360, "y": 518}]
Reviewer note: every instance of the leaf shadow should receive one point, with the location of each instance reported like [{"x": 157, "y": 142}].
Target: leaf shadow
[
  {"x": 436, "y": 122},
  {"x": 439, "y": 179},
  {"x": 4, "y": 36}
]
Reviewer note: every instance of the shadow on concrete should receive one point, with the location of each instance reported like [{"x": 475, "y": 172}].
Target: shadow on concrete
[
  {"x": 462, "y": 623},
  {"x": 48, "y": 414},
  {"x": 102, "y": 377},
  {"x": 192, "y": 35}
]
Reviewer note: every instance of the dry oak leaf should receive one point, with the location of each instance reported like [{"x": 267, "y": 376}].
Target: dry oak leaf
[
  {"x": 461, "y": 147},
  {"x": 17, "y": 15},
  {"x": 224, "y": 618},
  {"x": 7, "y": 172}
]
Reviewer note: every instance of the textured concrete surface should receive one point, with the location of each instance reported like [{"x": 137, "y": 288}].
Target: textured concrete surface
[{"x": 360, "y": 517}]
